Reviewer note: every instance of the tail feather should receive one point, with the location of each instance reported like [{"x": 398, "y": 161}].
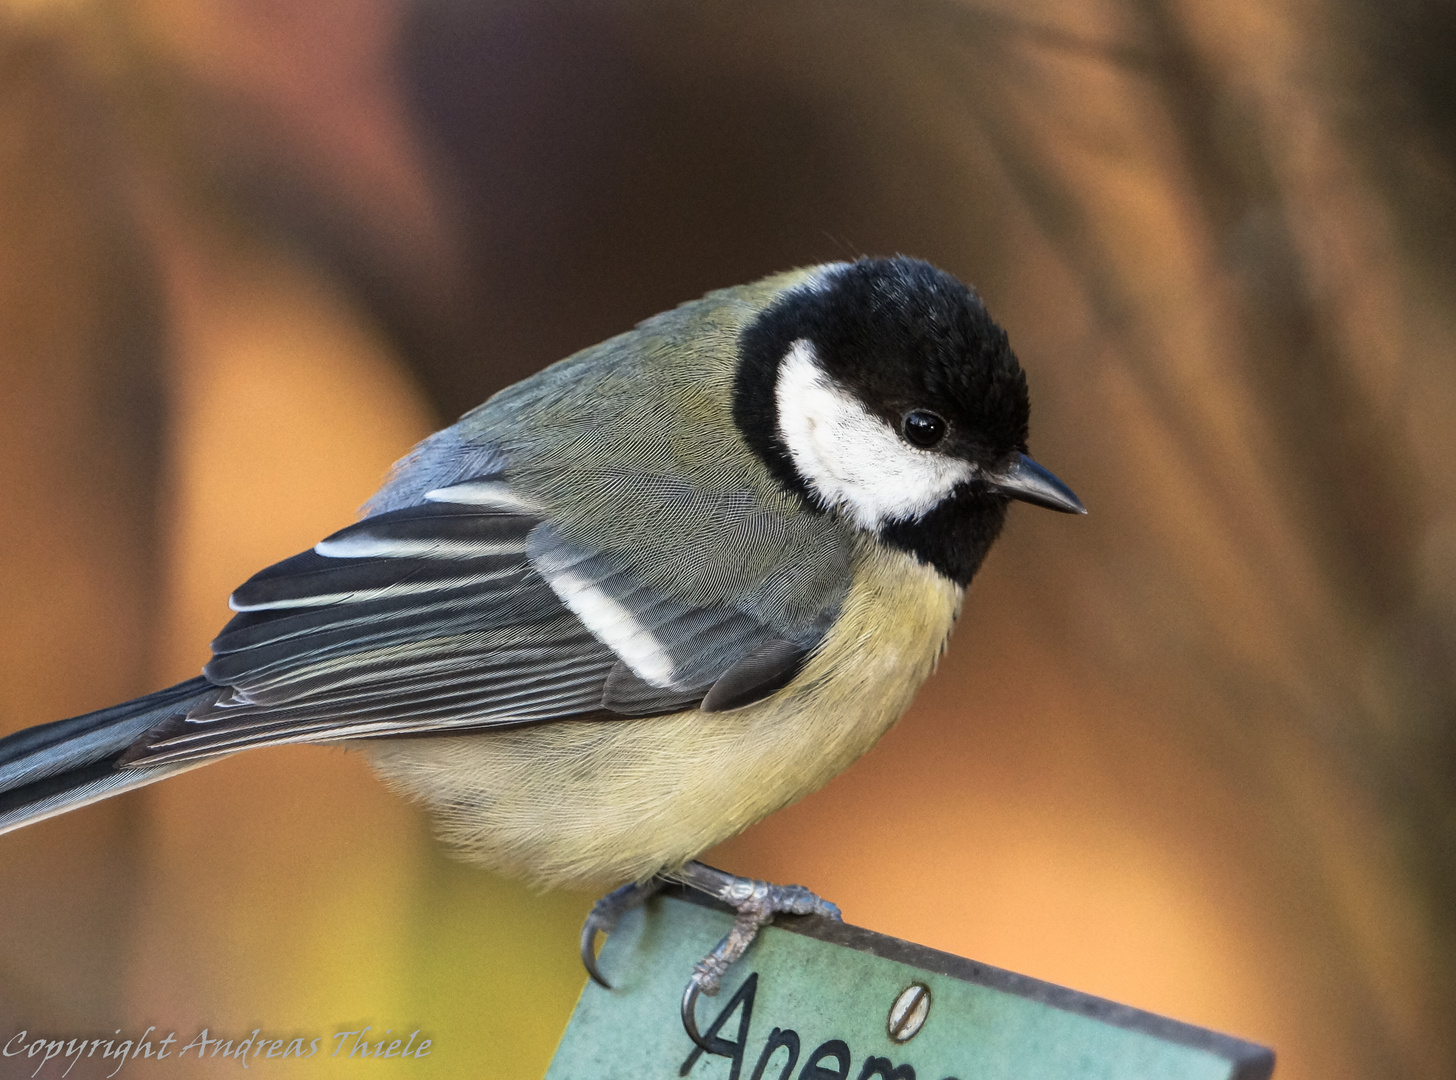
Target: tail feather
[{"x": 49, "y": 769}]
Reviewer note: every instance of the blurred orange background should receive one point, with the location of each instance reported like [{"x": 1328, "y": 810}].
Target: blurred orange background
[{"x": 1195, "y": 752}]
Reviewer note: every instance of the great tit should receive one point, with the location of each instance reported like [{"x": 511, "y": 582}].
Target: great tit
[{"x": 633, "y": 603}]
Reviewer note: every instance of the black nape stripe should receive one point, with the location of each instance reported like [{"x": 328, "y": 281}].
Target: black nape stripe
[{"x": 761, "y": 348}]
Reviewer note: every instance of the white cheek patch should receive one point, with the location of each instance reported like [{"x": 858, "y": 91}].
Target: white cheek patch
[{"x": 851, "y": 458}]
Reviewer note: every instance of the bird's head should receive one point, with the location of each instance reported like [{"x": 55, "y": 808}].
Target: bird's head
[{"x": 883, "y": 391}]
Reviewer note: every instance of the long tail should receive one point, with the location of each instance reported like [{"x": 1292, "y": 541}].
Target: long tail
[{"x": 52, "y": 768}]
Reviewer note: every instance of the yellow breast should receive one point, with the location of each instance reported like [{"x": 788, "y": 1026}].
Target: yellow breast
[{"x": 596, "y": 803}]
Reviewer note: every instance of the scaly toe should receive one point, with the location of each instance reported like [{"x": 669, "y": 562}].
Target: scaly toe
[{"x": 756, "y": 903}]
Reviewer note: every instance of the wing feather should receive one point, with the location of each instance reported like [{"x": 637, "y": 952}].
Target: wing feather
[{"x": 466, "y": 610}]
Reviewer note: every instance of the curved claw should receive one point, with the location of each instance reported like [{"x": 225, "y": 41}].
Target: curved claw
[
  {"x": 589, "y": 953},
  {"x": 690, "y": 1015},
  {"x": 603, "y": 918}
]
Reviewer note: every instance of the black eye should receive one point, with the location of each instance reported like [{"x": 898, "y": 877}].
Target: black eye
[{"x": 923, "y": 428}]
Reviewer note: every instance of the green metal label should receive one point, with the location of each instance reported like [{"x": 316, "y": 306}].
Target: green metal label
[{"x": 816, "y": 1000}]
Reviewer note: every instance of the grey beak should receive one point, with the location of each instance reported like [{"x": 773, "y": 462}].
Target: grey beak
[{"x": 1029, "y": 482}]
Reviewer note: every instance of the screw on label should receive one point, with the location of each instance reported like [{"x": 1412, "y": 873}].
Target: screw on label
[{"x": 908, "y": 1013}]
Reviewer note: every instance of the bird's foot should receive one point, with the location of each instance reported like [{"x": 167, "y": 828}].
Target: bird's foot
[
  {"x": 603, "y": 919},
  {"x": 756, "y": 903}
]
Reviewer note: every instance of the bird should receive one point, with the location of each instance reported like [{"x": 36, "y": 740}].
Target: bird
[{"x": 633, "y": 603}]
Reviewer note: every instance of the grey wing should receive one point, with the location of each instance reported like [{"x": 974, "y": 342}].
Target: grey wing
[{"x": 464, "y": 611}]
